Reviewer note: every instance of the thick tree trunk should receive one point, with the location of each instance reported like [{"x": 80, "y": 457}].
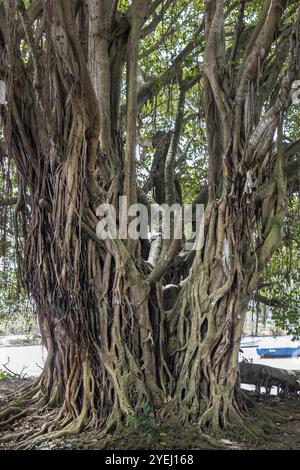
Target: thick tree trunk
[
  {"x": 100, "y": 323},
  {"x": 206, "y": 323},
  {"x": 206, "y": 326},
  {"x": 102, "y": 330},
  {"x": 206, "y": 355}
]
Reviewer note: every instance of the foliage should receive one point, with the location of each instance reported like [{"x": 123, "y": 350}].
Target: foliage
[
  {"x": 145, "y": 422},
  {"x": 4, "y": 375},
  {"x": 16, "y": 310},
  {"x": 282, "y": 275}
]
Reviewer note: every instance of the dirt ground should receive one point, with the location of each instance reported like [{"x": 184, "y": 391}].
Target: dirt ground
[{"x": 284, "y": 435}]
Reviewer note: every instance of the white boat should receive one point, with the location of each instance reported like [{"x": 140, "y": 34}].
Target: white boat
[{"x": 250, "y": 344}]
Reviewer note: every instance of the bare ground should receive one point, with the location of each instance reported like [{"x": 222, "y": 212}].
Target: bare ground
[{"x": 285, "y": 434}]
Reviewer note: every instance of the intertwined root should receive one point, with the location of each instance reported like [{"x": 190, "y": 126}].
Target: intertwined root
[
  {"x": 29, "y": 401},
  {"x": 209, "y": 422},
  {"x": 81, "y": 409}
]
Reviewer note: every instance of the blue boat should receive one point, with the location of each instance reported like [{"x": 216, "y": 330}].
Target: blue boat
[{"x": 278, "y": 352}]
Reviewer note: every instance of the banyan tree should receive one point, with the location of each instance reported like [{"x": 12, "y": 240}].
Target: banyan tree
[{"x": 111, "y": 98}]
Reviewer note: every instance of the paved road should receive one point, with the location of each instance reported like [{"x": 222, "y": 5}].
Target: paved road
[{"x": 31, "y": 357}]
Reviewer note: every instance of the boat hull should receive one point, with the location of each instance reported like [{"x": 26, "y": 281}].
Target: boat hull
[{"x": 278, "y": 352}]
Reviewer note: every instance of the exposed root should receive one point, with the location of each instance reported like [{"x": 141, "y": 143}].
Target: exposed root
[
  {"x": 213, "y": 441},
  {"x": 28, "y": 402},
  {"x": 210, "y": 419},
  {"x": 13, "y": 418}
]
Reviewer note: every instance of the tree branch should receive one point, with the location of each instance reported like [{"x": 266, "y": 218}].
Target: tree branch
[{"x": 267, "y": 301}]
